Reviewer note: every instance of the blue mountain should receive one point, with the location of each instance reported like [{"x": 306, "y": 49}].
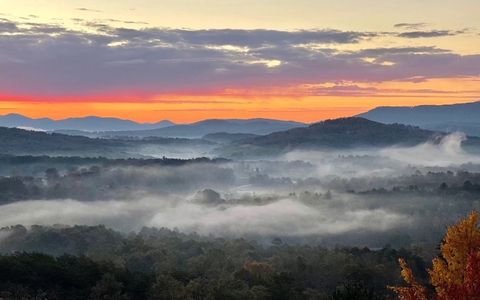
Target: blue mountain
[
  {"x": 463, "y": 117},
  {"x": 90, "y": 123}
]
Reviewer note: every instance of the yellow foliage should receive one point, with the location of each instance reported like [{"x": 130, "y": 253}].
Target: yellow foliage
[
  {"x": 460, "y": 242},
  {"x": 454, "y": 275},
  {"x": 415, "y": 290}
]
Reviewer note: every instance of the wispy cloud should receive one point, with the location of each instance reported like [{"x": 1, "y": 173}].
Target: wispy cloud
[
  {"x": 429, "y": 33},
  {"x": 410, "y": 25},
  {"x": 88, "y": 9}
]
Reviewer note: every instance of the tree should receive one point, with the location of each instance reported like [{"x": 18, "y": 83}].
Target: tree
[
  {"x": 355, "y": 291},
  {"x": 108, "y": 288},
  {"x": 455, "y": 275},
  {"x": 415, "y": 291},
  {"x": 167, "y": 288}
]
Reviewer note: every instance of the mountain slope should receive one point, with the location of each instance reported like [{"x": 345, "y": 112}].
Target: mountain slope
[
  {"x": 455, "y": 117},
  {"x": 90, "y": 123},
  {"x": 345, "y": 132},
  {"x": 19, "y": 141},
  {"x": 333, "y": 134},
  {"x": 202, "y": 128},
  {"x": 16, "y": 141}
]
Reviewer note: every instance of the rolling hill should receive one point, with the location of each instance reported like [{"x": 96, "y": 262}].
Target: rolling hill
[
  {"x": 15, "y": 141},
  {"x": 21, "y": 142},
  {"x": 341, "y": 133},
  {"x": 345, "y": 132}
]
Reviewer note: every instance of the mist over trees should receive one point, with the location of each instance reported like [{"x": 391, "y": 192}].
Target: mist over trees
[{"x": 285, "y": 223}]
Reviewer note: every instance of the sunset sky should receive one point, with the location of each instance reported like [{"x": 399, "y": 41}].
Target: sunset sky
[{"x": 187, "y": 60}]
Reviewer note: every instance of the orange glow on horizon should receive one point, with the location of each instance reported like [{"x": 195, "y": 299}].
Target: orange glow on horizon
[
  {"x": 306, "y": 103},
  {"x": 144, "y": 112}
]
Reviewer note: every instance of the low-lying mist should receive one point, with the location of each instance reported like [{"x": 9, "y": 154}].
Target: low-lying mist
[
  {"x": 283, "y": 217},
  {"x": 356, "y": 196}
]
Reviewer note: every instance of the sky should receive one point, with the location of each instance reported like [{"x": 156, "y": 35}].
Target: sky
[{"x": 187, "y": 60}]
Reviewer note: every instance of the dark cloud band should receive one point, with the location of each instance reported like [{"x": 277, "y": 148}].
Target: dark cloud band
[{"x": 51, "y": 59}]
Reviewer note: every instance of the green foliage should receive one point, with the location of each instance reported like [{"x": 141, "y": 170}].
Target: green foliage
[
  {"x": 65, "y": 277},
  {"x": 163, "y": 264}
]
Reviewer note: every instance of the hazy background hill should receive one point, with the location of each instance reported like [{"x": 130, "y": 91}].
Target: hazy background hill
[
  {"x": 90, "y": 123},
  {"x": 94, "y": 127},
  {"x": 463, "y": 117},
  {"x": 202, "y": 128}
]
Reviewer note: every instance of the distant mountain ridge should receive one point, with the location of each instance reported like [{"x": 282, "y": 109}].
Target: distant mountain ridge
[
  {"x": 205, "y": 127},
  {"x": 345, "y": 133},
  {"x": 463, "y": 117},
  {"x": 93, "y": 126},
  {"x": 89, "y": 123}
]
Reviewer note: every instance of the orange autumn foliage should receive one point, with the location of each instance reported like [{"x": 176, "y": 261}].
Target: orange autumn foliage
[
  {"x": 456, "y": 274},
  {"x": 415, "y": 290}
]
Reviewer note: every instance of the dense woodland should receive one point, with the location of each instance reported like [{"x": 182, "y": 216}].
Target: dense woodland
[
  {"x": 163, "y": 264},
  {"x": 81, "y": 262}
]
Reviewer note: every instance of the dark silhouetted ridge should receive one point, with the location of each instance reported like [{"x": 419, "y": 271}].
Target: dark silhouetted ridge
[{"x": 345, "y": 132}]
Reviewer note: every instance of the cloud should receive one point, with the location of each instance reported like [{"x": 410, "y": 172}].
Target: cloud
[
  {"x": 61, "y": 62},
  {"x": 400, "y": 50},
  {"x": 7, "y": 26},
  {"x": 353, "y": 90},
  {"x": 88, "y": 10},
  {"x": 124, "y": 22},
  {"x": 429, "y": 34},
  {"x": 410, "y": 25},
  {"x": 238, "y": 37}
]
